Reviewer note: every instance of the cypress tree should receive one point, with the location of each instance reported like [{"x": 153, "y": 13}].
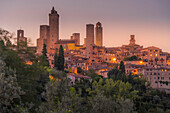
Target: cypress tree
[
  {"x": 61, "y": 58},
  {"x": 122, "y": 67},
  {"x": 44, "y": 56},
  {"x": 56, "y": 61}
]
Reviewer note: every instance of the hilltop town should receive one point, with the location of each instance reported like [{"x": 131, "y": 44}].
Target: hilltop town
[
  {"x": 151, "y": 62},
  {"x": 64, "y": 76}
]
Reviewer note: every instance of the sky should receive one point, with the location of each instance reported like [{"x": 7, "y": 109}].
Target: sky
[{"x": 148, "y": 20}]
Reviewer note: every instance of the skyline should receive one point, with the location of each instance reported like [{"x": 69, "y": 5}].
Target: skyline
[{"x": 147, "y": 20}]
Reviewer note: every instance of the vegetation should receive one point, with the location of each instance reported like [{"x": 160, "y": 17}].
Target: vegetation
[
  {"x": 132, "y": 58},
  {"x": 59, "y": 60}
]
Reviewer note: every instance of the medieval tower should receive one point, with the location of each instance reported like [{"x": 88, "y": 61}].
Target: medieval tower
[
  {"x": 44, "y": 36},
  {"x": 21, "y": 38},
  {"x": 54, "y": 28},
  {"x": 49, "y": 34},
  {"x": 89, "y": 40},
  {"x": 99, "y": 34},
  {"x": 132, "y": 40}
]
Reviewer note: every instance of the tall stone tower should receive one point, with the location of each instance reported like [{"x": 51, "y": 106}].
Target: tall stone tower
[
  {"x": 54, "y": 28},
  {"x": 99, "y": 34},
  {"x": 132, "y": 40},
  {"x": 89, "y": 40},
  {"x": 21, "y": 38},
  {"x": 44, "y": 36}
]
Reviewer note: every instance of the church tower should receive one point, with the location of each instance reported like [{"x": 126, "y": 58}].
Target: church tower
[
  {"x": 54, "y": 28},
  {"x": 132, "y": 40},
  {"x": 99, "y": 34}
]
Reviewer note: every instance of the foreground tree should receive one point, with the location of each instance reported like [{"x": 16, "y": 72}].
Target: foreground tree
[
  {"x": 10, "y": 91},
  {"x": 44, "y": 59},
  {"x": 61, "y": 58}
]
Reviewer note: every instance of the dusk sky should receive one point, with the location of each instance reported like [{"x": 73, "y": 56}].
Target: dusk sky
[{"x": 148, "y": 20}]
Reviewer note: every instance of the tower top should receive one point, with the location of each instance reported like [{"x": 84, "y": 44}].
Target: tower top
[
  {"x": 98, "y": 24},
  {"x": 53, "y": 11},
  {"x": 132, "y": 40}
]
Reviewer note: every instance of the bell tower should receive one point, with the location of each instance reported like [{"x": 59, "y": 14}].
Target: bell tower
[{"x": 54, "y": 28}]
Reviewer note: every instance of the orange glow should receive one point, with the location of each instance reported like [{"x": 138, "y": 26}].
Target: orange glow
[
  {"x": 140, "y": 62},
  {"x": 64, "y": 49},
  {"x": 29, "y": 63},
  {"x": 135, "y": 71},
  {"x": 51, "y": 77},
  {"x": 75, "y": 70},
  {"x": 165, "y": 70},
  {"x": 168, "y": 62},
  {"x": 150, "y": 54},
  {"x": 114, "y": 59},
  {"x": 162, "y": 70},
  {"x": 87, "y": 68}
]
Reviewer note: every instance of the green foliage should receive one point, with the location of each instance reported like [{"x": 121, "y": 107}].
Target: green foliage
[
  {"x": 91, "y": 73},
  {"x": 79, "y": 70},
  {"x": 122, "y": 67},
  {"x": 117, "y": 89},
  {"x": 132, "y": 58},
  {"x": 118, "y": 74},
  {"x": 5, "y": 36},
  {"x": 56, "y": 61},
  {"x": 44, "y": 59},
  {"x": 10, "y": 92},
  {"x": 61, "y": 58}
]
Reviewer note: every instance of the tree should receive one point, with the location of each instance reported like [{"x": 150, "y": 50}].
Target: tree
[
  {"x": 61, "y": 58},
  {"x": 79, "y": 70},
  {"x": 5, "y": 35},
  {"x": 122, "y": 67},
  {"x": 10, "y": 91},
  {"x": 56, "y": 61},
  {"x": 44, "y": 58}
]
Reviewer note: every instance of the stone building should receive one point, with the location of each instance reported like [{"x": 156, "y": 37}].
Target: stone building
[
  {"x": 54, "y": 28},
  {"x": 44, "y": 36},
  {"x": 21, "y": 40},
  {"x": 76, "y": 37},
  {"x": 89, "y": 40},
  {"x": 49, "y": 34},
  {"x": 99, "y": 34}
]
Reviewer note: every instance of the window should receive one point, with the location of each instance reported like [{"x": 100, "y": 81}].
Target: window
[
  {"x": 150, "y": 73},
  {"x": 154, "y": 73},
  {"x": 158, "y": 77},
  {"x": 154, "y": 77}
]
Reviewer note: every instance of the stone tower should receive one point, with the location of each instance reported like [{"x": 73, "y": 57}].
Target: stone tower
[
  {"x": 76, "y": 37},
  {"x": 99, "y": 34},
  {"x": 54, "y": 28},
  {"x": 44, "y": 37},
  {"x": 20, "y": 37},
  {"x": 89, "y": 40},
  {"x": 132, "y": 40}
]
